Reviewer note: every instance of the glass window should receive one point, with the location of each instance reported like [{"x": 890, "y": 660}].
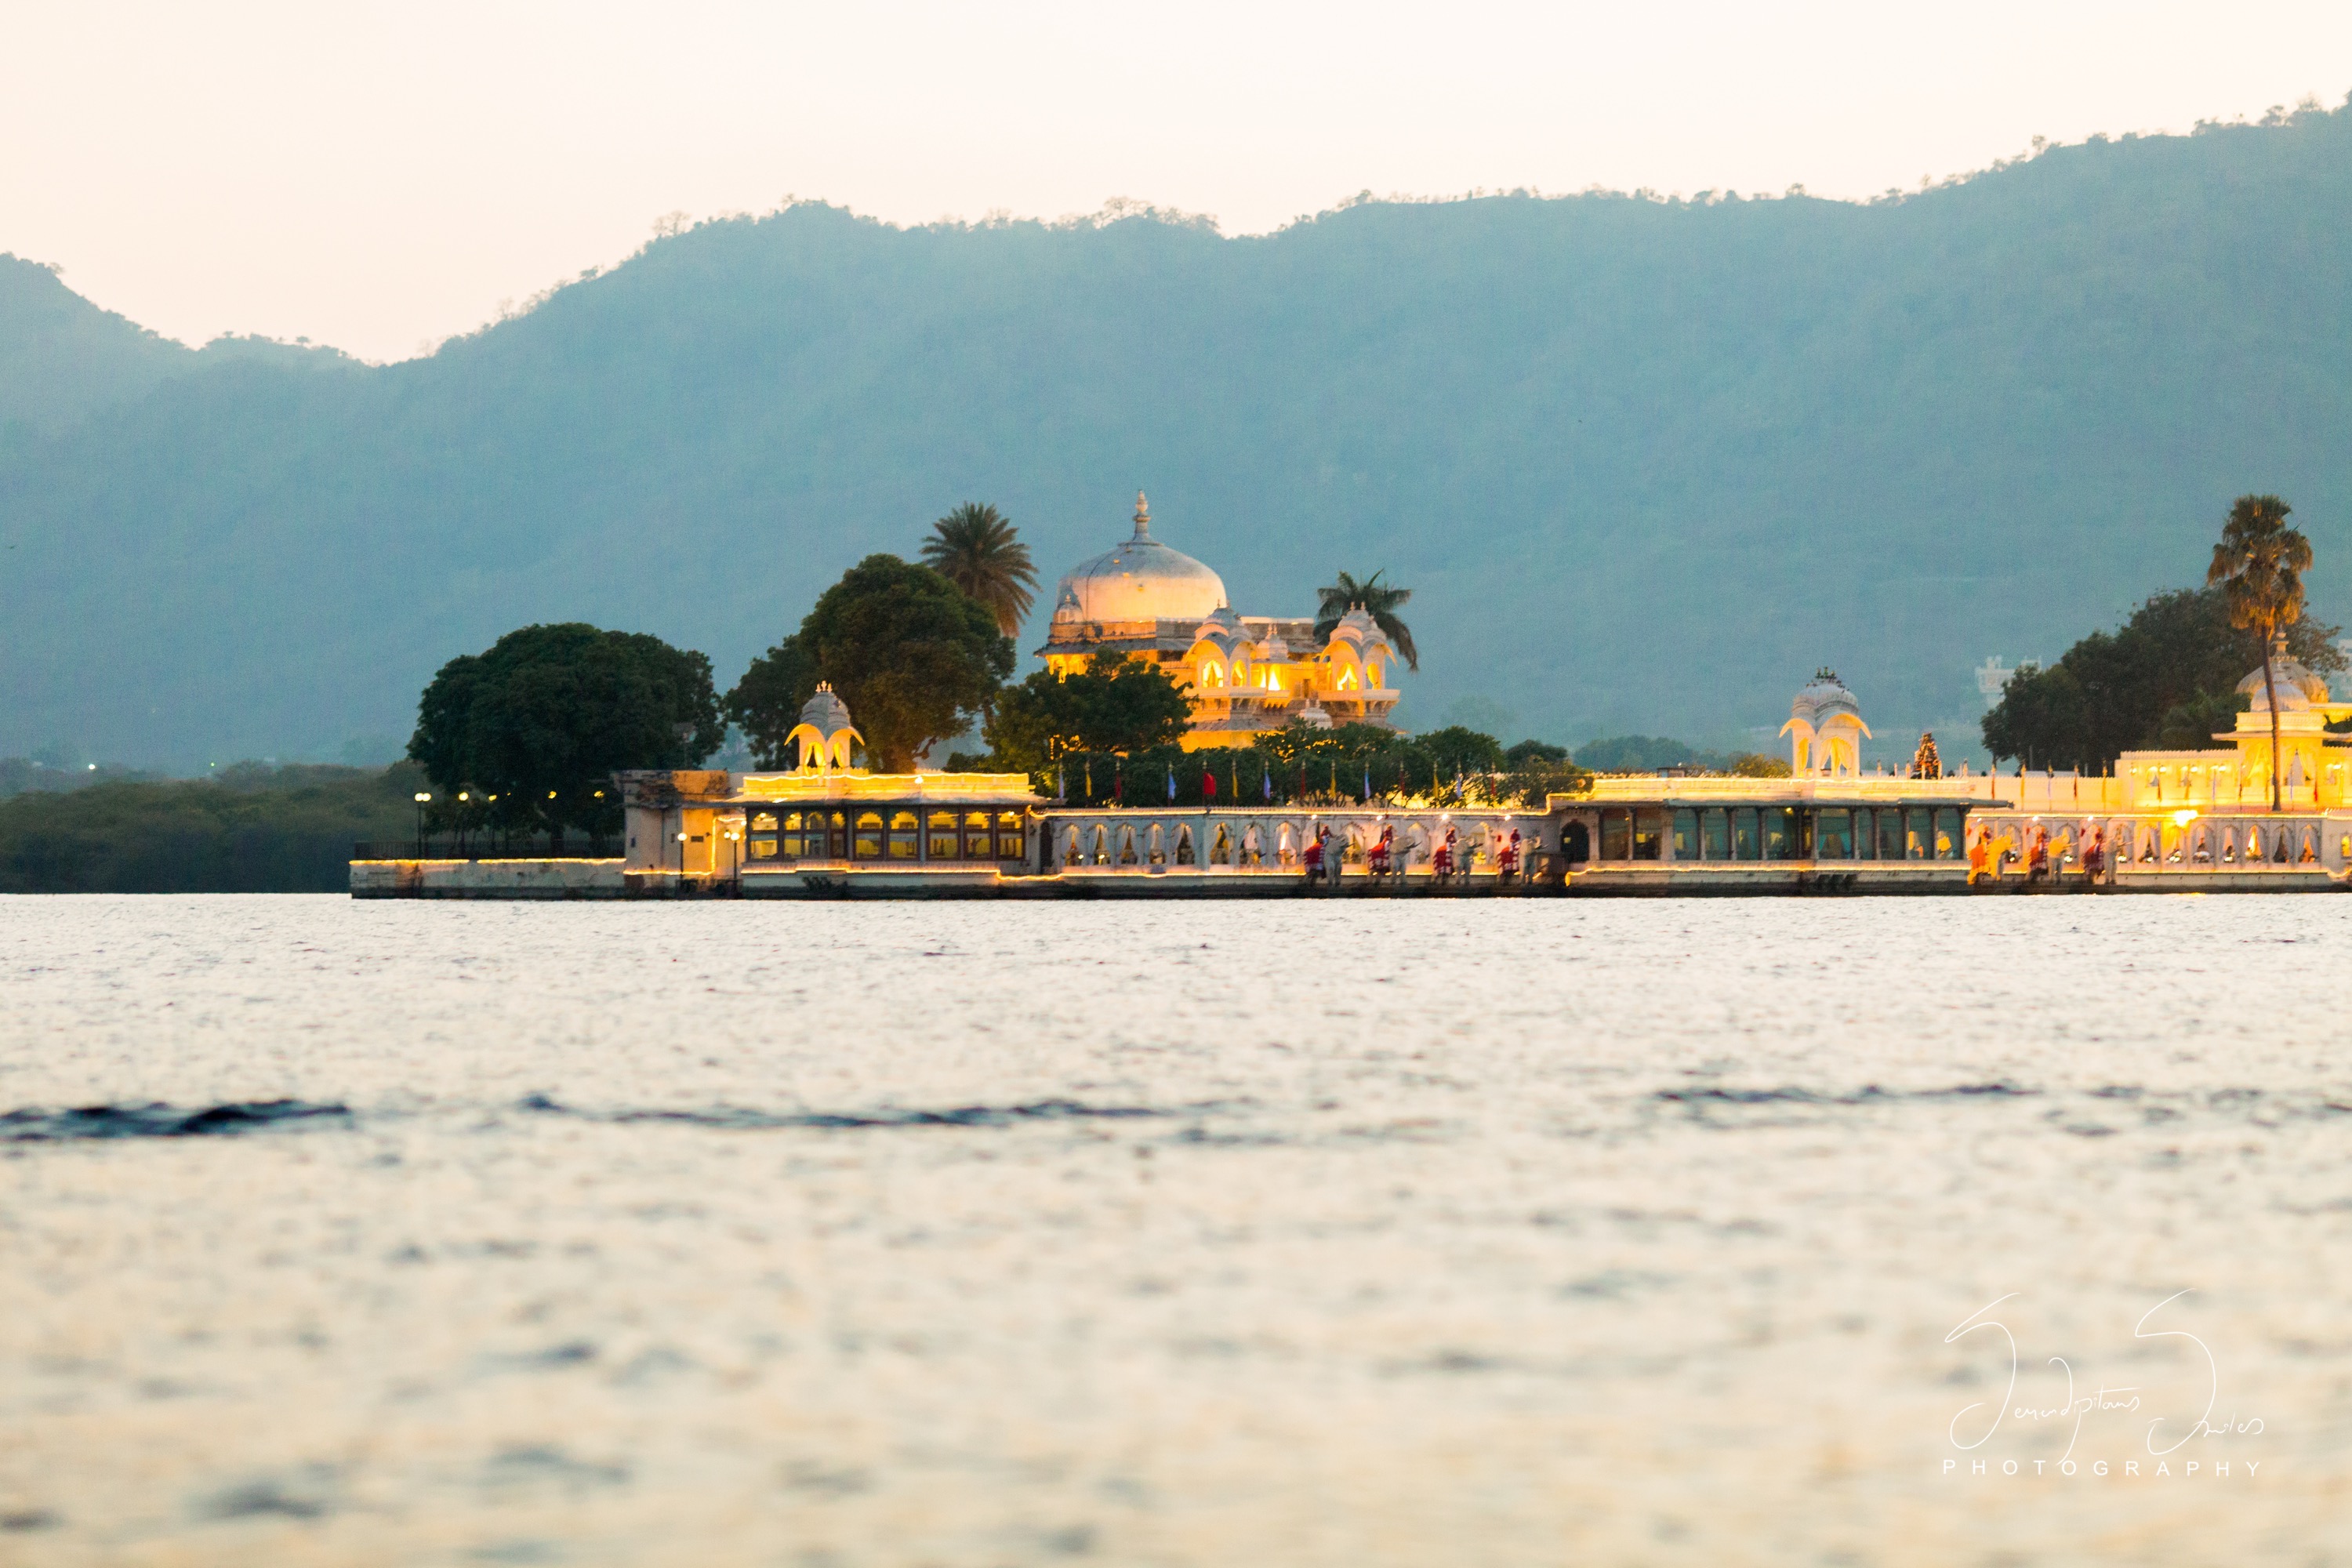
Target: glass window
[
  {"x": 1865, "y": 836},
  {"x": 943, "y": 845},
  {"x": 1649, "y": 831},
  {"x": 1890, "y": 835},
  {"x": 1947, "y": 833},
  {"x": 1745, "y": 843},
  {"x": 902, "y": 835},
  {"x": 977, "y": 842},
  {"x": 869, "y": 836},
  {"x": 763, "y": 848},
  {"x": 1685, "y": 835},
  {"x": 1833, "y": 833},
  {"x": 1714, "y": 840},
  {"x": 1011, "y": 843},
  {"x": 764, "y": 822},
  {"x": 1779, "y": 824},
  {"x": 1918, "y": 832},
  {"x": 1616, "y": 838}
]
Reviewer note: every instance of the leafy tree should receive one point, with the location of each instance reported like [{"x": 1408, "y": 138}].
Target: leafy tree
[
  {"x": 1527, "y": 751},
  {"x": 977, "y": 549},
  {"x": 1756, "y": 765},
  {"x": 1115, "y": 706},
  {"x": 2118, "y": 687},
  {"x": 2039, "y": 711},
  {"x": 1379, "y": 601},
  {"x": 2190, "y": 726},
  {"x": 916, "y": 659},
  {"x": 1458, "y": 749},
  {"x": 2259, "y": 564},
  {"x": 548, "y": 713},
  {"x": 766, "y": 703}
]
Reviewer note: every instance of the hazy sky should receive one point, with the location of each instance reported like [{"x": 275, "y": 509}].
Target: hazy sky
[{"x": 379, "y": 176}]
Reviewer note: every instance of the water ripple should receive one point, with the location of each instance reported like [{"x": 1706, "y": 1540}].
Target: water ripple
[{"x": 39, "y": 1124}]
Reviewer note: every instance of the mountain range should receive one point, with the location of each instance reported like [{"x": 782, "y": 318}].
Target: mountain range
[{"x": 1645, "y": 463}]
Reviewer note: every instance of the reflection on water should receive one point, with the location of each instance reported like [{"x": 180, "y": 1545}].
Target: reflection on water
[{"x": 1493, "y": 1231}]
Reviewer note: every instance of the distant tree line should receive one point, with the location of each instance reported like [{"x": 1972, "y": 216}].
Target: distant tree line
[{"x": 244, "y": 830}]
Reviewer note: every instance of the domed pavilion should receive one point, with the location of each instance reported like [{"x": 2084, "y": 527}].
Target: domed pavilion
[{"x": 1247, "y": 674}]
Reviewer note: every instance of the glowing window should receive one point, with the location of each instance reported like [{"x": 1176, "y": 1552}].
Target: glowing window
[
  {"x": 1347, "y": 678},
  {"x": 1010, "y": 839},
  {"x": 869, "y": 836},
  {"x": 764, "y": 822},
  {"x": 902, "y": 835},
  {"x": 1372, "y": 675},
  {"x": 942, "y": 846},
  {"x": 1210, "y": 675}
]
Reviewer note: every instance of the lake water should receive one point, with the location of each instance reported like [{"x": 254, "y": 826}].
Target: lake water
[{"x": 1478, "y": 1232}]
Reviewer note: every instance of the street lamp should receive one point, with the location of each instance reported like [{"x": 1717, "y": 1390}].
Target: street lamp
[
  {"x": 681, "y": 856},
  {"x": 422, "y": 797}
]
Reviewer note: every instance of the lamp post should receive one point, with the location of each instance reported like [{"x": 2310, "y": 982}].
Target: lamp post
[
  {"x": 463, "y": 797},
  {"x": 422, "y": 797},
  {"x": 681, "y": 855}
]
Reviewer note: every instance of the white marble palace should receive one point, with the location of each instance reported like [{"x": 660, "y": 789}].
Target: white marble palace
[{"x": 1248, "y": 674}]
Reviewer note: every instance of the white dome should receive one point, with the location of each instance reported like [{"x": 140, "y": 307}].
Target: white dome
[
  {"x": 1142, "y": 580},
  {"x": 1823, "y": 697},
  {"x": 2299, "y": 689},
  {"x": 826, "y": 712}
]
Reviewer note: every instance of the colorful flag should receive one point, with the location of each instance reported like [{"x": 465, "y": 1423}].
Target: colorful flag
[
  {"x": 1171, "y": 783},
  {"x": 1266, "y": 780},
  {"x": 1208, "y": 783},
  {"x": 1367, "y": 783}
]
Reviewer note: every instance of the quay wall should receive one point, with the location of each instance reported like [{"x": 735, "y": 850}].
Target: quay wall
[{"x": 545, "y": 878}]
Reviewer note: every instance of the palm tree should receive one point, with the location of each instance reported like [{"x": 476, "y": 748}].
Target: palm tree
[
  {"x": 975, "y": 548},
  {"x": 1379, "y": 601},
  {"x": 2260, "y": 564}
]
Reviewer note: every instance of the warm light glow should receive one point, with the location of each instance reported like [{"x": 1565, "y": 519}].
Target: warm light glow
[
  {"x": 422, "y": 798},
  {"x": 2183, "y": 818}
]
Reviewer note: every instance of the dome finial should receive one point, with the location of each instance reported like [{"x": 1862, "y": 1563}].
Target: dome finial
[{"x": 1142, "y": 516}]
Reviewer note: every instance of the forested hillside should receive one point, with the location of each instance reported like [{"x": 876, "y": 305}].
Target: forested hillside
[{"x": 1646, "y": 464}]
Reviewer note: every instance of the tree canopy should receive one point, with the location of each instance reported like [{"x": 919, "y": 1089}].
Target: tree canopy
[
  {"x": 548, "y": 714},
  {"x": 2168, "y": 674},
  {"x": 978, "y": 550},
  {"x": 916, "y": 659},
  {"x": 1114, "y": 706}
]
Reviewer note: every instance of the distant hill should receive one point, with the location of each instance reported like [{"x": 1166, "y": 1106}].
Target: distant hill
[
  {"x": 1646, "y": 464},
  {"x": 61, "y": 357}
]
